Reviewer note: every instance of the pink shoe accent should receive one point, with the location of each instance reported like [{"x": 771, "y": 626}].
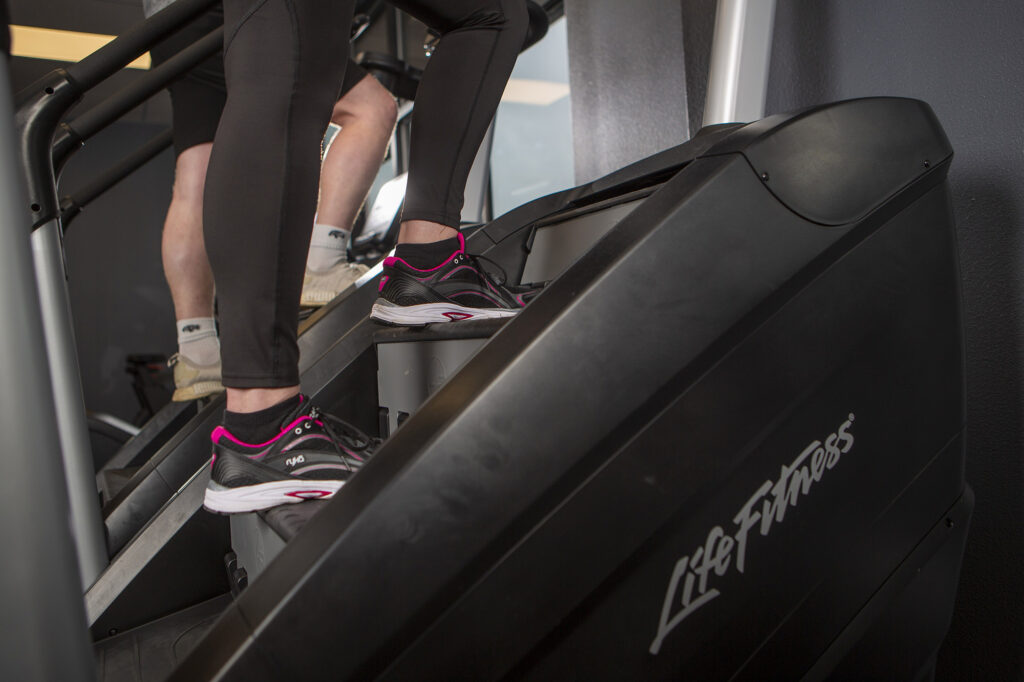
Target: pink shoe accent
[
  {"x": 221, "y": 432},
  {"x": 383, "y": 281},
  {"x": 455, "y": 317},
  {"x": 458, "y": 269},
  {"x": 391, "y": 260},
  {"x": 303, "y": 439},
  {"x": 310, "y": 494}
]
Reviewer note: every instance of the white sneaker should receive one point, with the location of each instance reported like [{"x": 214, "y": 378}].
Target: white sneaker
[
  {"x": 320, "y": 288},
  {"x": 192, "y": 381}
]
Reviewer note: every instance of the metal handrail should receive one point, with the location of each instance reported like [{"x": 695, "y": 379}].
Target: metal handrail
[
  {"x": 42, "y": 105},
  {"x": 71, "y": 136},
  {"x": 40, "y": 109},
  {"x": 71, "y": 205}
]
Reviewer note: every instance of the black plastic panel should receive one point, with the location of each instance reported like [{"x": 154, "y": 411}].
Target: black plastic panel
[
  {"x": 287, "y": 520},
  {"x": 836, "y": 163},
  {"x": 537, "y": 517}
]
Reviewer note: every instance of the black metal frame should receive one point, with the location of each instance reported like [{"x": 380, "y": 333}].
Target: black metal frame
[{"x": 41, "y": 106}]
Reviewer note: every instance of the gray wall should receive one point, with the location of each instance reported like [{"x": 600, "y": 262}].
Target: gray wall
[{"x": 964, "y": 58}]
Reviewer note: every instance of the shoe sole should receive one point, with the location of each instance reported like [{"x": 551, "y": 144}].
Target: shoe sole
[
  {"x": 431, "y": 313},
  {"x": 200, "y": 389},
  {"x": 318, "y": 299},
  {"x": 251, "y": 498}
]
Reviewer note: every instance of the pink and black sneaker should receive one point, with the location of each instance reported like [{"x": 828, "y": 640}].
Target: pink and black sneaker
[
  {"x": 457, "y": 289},
  {"x": 310, "y": 459}
]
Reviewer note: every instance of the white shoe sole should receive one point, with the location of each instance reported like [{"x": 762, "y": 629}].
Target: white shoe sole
[
  {"x": 319, "y": 289},
  {"x": 318, "y": 299},
  {"x": 430, "y": 313},
  {"x": 250, "y": 498},
  {"x": 200, "y": 389}
]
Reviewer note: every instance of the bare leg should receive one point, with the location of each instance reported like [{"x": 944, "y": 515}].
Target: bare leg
[
  {"x": 424, "y": 232},
  {"x": 184, "y": 255},
  {"x": 367, "y": 115},
  {"x": 256, "y": 399}
]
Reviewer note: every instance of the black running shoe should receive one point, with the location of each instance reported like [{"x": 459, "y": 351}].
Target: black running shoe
[
  {"x": 310, "y": 459},
  {"x": 458, "y": 289}
]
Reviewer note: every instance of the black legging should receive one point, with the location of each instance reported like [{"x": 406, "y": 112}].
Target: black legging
[{"x": 284, "y": 61}]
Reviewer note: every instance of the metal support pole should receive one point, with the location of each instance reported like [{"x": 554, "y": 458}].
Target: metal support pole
[
  {"x": 43, "y": 632},
  {"x": 40, "y": 108},
  {"x": 398, "y": 35},
  {"x": 72, "y": 427},
  {"x": 740, "y": 55}
]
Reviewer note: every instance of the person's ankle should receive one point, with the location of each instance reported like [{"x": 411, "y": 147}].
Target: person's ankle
[
  {"x": 428, "y": 256},
  {"x": 425, "y": 232},
  {"x": 261, "y": 425},
  {"x": 327, "y": 247},
  {"x": 198, "y": 342}
]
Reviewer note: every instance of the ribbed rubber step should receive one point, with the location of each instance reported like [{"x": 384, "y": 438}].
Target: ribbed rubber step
[{"x": 152, "y": 651}]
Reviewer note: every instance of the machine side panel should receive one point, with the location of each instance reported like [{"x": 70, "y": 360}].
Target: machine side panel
[{"x": 836, "y": 418}]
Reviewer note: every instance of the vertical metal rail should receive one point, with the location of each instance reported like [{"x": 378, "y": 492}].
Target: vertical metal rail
[
  {"x": 65, "y": 376},
  {"x": 43, "y": 634},
  {"x": 39, "y": 111},
  {"x": 740, "y": 55}
]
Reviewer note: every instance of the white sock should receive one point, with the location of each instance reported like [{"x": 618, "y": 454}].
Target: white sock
[
  {"x": 327, "y": 248},
  {"x": 197, "y": 340}
]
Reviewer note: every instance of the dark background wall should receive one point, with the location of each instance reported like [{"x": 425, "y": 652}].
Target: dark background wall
[
  {"x": 119, "y": 299},
  {"x": 963, "y": 58}
]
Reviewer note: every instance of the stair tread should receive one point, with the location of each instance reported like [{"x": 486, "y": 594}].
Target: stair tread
[
  {"x": 446, "y": 331},
  {"x": 287, "y": 520}
]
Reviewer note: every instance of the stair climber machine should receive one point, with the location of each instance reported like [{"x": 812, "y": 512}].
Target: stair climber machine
[
  {"x": 169, "y": 448},
  {"x": 724, "y": 443},
  {"x": 172, "y": 446}
]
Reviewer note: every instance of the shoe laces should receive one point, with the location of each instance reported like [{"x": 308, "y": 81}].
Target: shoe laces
[
  {"x": 477, "y": 261},
  {"x": 344, "y": 435}
]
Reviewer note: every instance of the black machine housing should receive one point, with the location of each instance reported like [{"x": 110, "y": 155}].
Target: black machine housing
[{"x": 726, "y": 443}]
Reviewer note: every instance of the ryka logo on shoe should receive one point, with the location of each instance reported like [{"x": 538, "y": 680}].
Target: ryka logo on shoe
[{"x": 292, "y": 461}]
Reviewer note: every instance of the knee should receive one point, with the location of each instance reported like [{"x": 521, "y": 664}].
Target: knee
[{"x": 368, "y": 104}]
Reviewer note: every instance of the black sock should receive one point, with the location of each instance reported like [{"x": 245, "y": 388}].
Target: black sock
[
  {"x": 259, "y": 427},
  {"x": 427, "y": 256}
]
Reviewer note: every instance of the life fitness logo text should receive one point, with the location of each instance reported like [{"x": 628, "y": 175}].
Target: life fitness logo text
[{"x": 688, "y": 590}]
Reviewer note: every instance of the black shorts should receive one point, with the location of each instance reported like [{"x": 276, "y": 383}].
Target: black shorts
[{"x": 197, "y": 98}]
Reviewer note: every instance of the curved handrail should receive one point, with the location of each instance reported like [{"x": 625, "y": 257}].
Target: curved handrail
[{"x": 42, "y": 105}]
